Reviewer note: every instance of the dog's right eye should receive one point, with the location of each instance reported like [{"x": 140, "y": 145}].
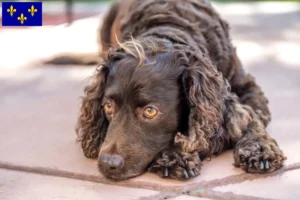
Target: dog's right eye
[
  {"x": 108, "y": 108},
  {"x": 150, "y": 112}
]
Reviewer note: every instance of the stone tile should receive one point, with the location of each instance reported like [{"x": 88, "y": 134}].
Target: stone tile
[
  {"x": 39, "y": 116},
  {"x": 26, "y": 186},
  {"x": 284, "y": 186},
  {"x": 186, "y": 197}
]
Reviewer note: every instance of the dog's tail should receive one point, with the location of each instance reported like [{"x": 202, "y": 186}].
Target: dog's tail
[{"x": 75, "y": 59}]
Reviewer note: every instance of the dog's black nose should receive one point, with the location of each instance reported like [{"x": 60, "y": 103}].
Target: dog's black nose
[{"x": 111, "y": 162}]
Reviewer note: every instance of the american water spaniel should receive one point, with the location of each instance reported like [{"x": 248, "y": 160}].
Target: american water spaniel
[{"x": 170, "y": 92}]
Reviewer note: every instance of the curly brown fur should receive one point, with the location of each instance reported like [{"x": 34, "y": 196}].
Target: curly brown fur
[
  {"x": 181, "y": 62},
  {"x": 92, "y": 124}
]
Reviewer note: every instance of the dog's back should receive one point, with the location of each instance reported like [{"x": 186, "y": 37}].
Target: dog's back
[{"x": 191, "y": 22}]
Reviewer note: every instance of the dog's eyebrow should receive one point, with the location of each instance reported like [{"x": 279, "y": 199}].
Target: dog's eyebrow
[
  {"x": 112, "y": 93},
  {"x": 146, "y": 98},
  {"x": 143, "y": 101}
]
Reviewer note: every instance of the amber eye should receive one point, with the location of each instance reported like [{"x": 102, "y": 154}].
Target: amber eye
[
  {"x": 108, "y": 108},
  {"x": 150, "y": 112}
]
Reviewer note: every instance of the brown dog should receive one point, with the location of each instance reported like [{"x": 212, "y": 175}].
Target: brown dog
[{"x": 170, "y": 92}]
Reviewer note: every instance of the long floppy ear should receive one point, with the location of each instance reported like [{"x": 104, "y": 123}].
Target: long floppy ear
[
  {"x": 203, "y": 86},
  {"x": 92, "y": 124}
]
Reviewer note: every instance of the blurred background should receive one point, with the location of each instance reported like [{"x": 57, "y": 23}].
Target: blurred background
[{"x": 257, "y": 22}]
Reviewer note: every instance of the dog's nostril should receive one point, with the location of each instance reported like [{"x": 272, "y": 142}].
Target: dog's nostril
[{"x": 111, "y": 162}]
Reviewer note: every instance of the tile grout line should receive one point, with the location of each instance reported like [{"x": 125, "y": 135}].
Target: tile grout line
[
  {"x": 179, "y": 190},
  {"x": 204, "y": 193},
  {"x": 207, "y": 192},
  {"x": 212, "y": 194},
  {"x": 234, "y": 179},
  {"x": 205, "y": 189},
  {"x": 83, "y": 177},
  {"x": 160, "y": 196}
]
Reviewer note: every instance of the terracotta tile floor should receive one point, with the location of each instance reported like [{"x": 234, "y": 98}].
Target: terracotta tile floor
[{"x": 40, "y": 159}]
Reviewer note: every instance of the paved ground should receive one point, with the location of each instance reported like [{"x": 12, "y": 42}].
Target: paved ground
[{"x": 39, "y": 158}]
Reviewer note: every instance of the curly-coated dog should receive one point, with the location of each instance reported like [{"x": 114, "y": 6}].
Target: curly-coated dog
[{"x": 171, "y": 92}]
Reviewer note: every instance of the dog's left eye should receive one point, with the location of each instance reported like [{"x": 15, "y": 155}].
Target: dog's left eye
[
  {"x": 108, "y": 108},
  {"x": 150, "y": 112}
]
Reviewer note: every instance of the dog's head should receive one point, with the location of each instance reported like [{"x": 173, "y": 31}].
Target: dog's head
[{"x": 137, "y": 103}]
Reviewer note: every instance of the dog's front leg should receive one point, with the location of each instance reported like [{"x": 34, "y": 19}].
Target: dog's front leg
[
  {"x": 177, "y": 164},
  {"x": 255, "y": 150}
]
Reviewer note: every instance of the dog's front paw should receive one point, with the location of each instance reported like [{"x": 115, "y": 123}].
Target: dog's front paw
[
  {"x": 259, "y": 156},
  {"x": 171, "y": 164}
]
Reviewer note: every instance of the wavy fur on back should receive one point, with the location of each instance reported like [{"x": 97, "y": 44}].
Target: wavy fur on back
[{"x": 194, "y": 25}]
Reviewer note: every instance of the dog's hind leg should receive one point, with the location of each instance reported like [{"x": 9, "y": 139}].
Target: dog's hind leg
[
  {"x": 248, "y": 91},
  {"x": 255, "y": 151}
]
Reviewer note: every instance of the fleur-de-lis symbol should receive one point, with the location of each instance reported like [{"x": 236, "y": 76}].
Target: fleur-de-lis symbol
[
  {"x": 11, "y": 10},
  {"x": 22, "y": 18},
  {"x": 32, "y": 10}
]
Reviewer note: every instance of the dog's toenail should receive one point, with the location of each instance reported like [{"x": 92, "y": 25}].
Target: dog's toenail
[
  {"x": 267, "y": 164},
  {"x": 242, "y": 158},
  {"x": 197, "y": 170},
  {"x": 250, "y": 164},
  {"x": 261, "y": 165},
  {"x": 192, "y": 173},
  {"x": 185, "y": 174},
  {"x": 166, "y": 172}
]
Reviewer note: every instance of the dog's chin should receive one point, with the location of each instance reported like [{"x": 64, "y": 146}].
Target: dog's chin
[{"x": 120, "y": 175}]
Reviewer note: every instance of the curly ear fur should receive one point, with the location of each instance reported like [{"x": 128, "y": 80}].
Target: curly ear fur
[
  {"x": 205, "y": 87},
  {"x": 92, "y": 123}
]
